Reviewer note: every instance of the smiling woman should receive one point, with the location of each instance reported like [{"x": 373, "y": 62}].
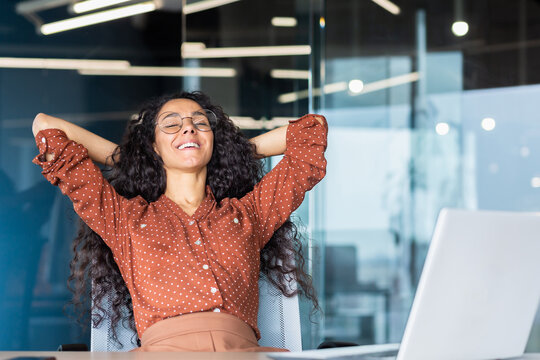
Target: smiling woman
[
  {"x": 185, "y": 224},
  {"x": 184, "y": 144}
]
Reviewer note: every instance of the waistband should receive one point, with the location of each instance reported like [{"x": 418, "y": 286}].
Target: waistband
[{"x": 196, "y": 322}]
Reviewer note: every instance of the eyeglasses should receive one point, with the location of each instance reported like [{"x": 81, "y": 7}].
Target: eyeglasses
[{"x": 171, "y": 122}]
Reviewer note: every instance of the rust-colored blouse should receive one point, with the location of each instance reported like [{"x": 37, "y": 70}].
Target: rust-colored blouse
[{"x": 174, "y": 263}]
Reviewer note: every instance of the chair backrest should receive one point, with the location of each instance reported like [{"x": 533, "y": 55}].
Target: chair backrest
[{"x": 278, "y": 321}]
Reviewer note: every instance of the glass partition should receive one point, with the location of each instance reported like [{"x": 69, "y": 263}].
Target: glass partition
[
  {"x": 96, "y": 76},
  {"x": 431, "y": 105},
  {"x": 270, "y": 45}
]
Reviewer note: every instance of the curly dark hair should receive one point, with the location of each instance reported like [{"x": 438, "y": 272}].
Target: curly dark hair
[{"x": 137, "y": 169}]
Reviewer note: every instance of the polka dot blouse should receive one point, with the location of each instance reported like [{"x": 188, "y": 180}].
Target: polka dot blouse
[{"x": 174, "y": 263}]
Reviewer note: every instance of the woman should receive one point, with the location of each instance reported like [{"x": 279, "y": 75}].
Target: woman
[{"x": 187, "y": 224}]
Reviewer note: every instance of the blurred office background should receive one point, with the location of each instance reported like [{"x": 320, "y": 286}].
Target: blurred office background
[{"x": 430, "y": 104}]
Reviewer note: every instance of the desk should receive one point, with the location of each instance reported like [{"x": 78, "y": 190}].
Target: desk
[
  {"x": 67, "y": 355},
  {"x": 74, "y": 355}
]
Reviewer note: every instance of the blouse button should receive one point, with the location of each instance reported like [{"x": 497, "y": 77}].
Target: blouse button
[
  {"x": 205, "y": 267},
  {"x": 198, "y": 242},
  {"x": 191, "y": 222},
  {"x": 43, "y": 140},
  {"x": 235, "y": 220},
  {"x": 213, "y": 290},
  {"x": 217, "y": 310}
]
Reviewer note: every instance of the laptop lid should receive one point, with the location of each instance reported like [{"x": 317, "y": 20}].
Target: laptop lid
[{"x": 479, "y": 289}]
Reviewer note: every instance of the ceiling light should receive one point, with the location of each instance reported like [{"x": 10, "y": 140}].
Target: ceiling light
[
  {"x": 192, "y": 46},
  {"x": 290, "y": 74},
  {"x": 488, "y": 124},
  {"x": 356, "y": 86},
  {"x": 247, "y": 51},
  {"x": 388, "y": 6},
  {"x": 294, "y": 96},
  {"x": 32, "y": 6},
  {"x": 460, "y": 28},
  {"x": 247, "y": 122},
  {"x": 202, "y": 5},
  {"x": 442, "y": 128},
  {"x": 97, "y": 18},
  {"x": 163, "y": 71},
  {"x": 335, "y": 87},
  {"x": 62, "y": 64},
  {"x": 284, "y": 21},
  {"x": 390, "y": 82},
  {"x": 342, "y": 86},
  {"x": 90, "y": 5},
  {"x": 304, "y": 94}
]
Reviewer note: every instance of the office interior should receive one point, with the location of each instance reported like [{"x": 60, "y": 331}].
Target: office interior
[{"x": 430, "y": 103}]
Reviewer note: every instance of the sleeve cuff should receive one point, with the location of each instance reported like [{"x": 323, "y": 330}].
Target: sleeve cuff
[
  {"x": 49, "y": 141},
  {"x": 307, "y": 131}
]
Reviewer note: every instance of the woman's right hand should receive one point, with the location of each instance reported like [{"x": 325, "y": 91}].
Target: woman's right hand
[{"x": 100, "y": 150}]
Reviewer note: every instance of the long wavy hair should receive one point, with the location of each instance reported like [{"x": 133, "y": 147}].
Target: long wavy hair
[{"x": 137, "y": 169}]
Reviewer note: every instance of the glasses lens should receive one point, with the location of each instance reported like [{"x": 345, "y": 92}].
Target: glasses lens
[
  {"x": 171, "y": 123},
  {"x": 204, "y": 120}
]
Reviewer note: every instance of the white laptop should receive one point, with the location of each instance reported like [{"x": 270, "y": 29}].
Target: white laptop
[{"x": 477, "y": 296}]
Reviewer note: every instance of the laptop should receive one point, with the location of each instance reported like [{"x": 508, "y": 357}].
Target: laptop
[{"x": 477, "y": 296}]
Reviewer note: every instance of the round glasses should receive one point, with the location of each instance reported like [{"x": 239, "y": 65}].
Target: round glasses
[{"x": 172, "y": 122}]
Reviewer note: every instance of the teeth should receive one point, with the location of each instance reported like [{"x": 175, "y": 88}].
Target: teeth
[{"x": 189, "y": 144}]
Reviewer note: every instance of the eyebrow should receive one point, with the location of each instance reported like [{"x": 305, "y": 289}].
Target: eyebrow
[{"x": 168, "y": 113}]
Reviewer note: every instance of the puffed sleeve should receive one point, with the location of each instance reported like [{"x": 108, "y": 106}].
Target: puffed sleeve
[
  {"x": 282, "y": 190},
  {"x": 94, "y": 199}
]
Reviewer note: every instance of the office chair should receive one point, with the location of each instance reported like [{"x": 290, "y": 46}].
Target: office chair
[{"x": 278, "y": 321}]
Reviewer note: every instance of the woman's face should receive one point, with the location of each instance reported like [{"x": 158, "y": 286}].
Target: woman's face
[{"x": 189, "y": 149}]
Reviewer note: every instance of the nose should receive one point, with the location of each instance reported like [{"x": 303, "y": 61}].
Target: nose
[
  {"x": 188, "y": 127},
  {"x": 188, "y": 130}
]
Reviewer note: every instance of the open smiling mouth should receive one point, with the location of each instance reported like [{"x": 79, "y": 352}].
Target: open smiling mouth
[{"x": 188, "y": 145}]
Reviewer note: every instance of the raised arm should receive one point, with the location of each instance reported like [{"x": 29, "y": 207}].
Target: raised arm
[
  {"x": 273, "y": 142},
  {"x": 303, "y": 165},
  {"x": 99, "y": 149}
]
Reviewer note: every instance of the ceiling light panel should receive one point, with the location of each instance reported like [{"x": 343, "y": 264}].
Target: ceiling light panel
[
  {"x": 248, "y": 51},
  {"x": 204, "y": 5},
  {"x": 170, "y": 71},
  {"x": 388, "y": 6},
  {"x": 96, "y": 18},
  {"x": 62, "y": 64},
  {"x": 284, "y": 21},
  {"x": 91, "y": 5}
]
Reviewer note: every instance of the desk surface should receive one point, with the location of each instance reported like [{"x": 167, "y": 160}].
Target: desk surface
[
  {"x": 70, "y": 355},
  {"x": 4, "y": 355}
]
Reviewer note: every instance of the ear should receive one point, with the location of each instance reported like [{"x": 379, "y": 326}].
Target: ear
[{"x": 156, "y": 149}]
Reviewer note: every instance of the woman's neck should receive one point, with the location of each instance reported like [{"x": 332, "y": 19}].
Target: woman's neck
[{"x": 187, "y": 190}]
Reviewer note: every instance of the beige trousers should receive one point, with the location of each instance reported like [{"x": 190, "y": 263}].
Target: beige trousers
[{"x": 205, "y": 331}]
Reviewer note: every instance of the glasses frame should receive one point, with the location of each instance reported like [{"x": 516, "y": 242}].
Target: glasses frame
[{"x": 210, "y": 116}]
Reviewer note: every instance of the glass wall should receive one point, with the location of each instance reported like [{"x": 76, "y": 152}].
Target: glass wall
[
  {"x": 423, "y": 114},
  {"x": 436, "y": 109},
  {"x": 37, "y": 222}
]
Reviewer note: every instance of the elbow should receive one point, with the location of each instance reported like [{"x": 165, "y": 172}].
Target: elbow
[{"x": 40, "y": 123}]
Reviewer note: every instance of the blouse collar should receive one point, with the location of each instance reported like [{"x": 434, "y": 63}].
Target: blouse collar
[{"x": 202, "y": 211}]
